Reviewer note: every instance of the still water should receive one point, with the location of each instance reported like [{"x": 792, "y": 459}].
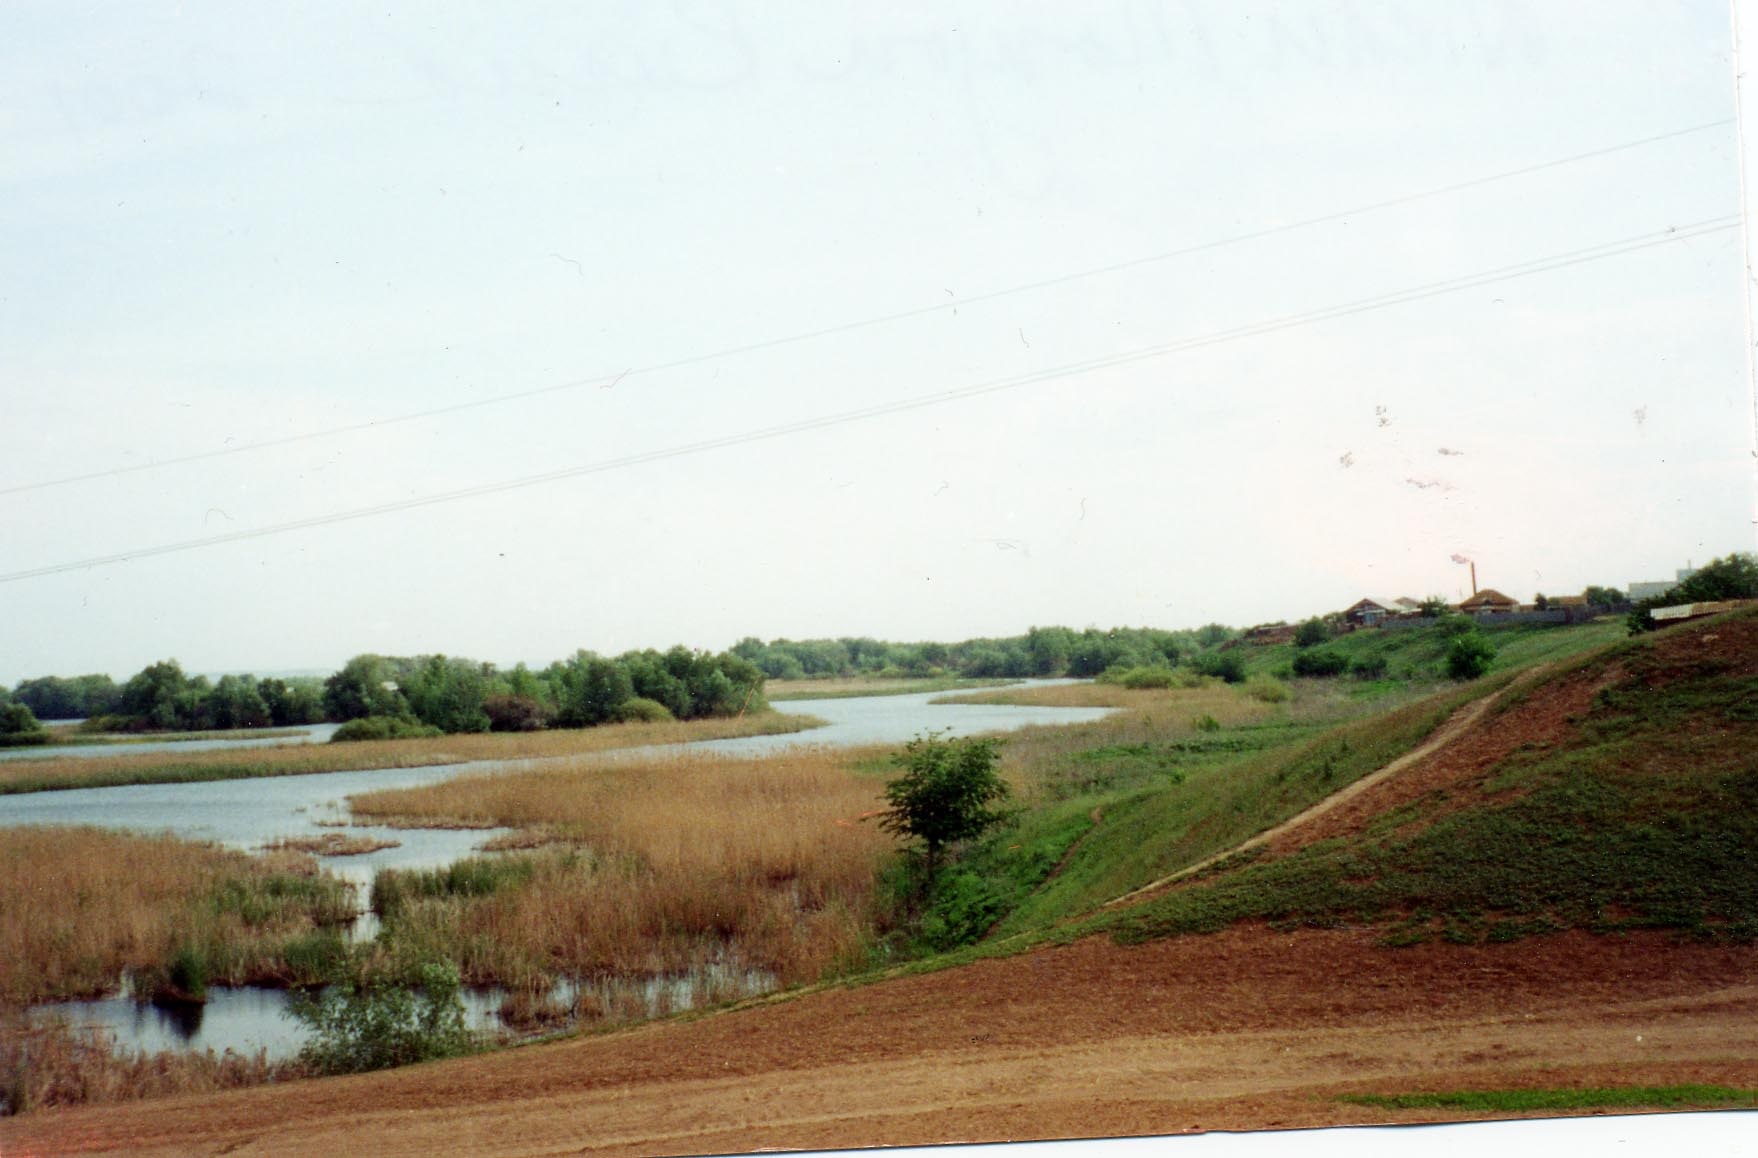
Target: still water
[{"x": 249, "y": 813}]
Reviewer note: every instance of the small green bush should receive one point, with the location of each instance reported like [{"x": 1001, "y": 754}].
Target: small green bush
[
  {"x": 1206, "y": 723},
  {"x": 640, "y": 710},
  {"x": 1469, "y": 656},
  {"x": 383, "y": 728},
  {"x": 1368, "y": 667},
  {"x": 187, "y": 975},
  {"x": 1318, "y": 662},
  {"x": 1226, "y": 665},
  {"x": 1138, "y": 679},
  {"x": 374, "y": 1025},
  {"x": 1311, "y": 633}
]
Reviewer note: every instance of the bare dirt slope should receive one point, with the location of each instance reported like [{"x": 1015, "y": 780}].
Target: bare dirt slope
[{"x": 1244, "y": 1029}]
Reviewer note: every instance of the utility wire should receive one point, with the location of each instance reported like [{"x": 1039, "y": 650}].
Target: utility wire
[
  {"x": 877, "y": 320},
  {"x": 1362, "y": 305}
]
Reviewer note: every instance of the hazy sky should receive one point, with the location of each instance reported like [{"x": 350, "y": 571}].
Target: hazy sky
[{"x": 224, "y": 226}]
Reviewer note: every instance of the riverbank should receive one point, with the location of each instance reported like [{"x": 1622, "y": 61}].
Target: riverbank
[{"x": 51, "y": 772}]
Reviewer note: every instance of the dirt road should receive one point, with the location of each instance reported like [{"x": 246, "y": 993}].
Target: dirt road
[{"x": 1247, "y": 1028}]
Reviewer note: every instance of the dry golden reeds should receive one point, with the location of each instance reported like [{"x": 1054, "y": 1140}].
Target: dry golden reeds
[
  {"x": 85, "y": 905},
  {"x": 54, "y": 1064},
  {"x": 688, "y": 862}
]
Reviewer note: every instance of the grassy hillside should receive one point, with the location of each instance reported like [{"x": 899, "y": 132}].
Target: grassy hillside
[
  {"x": 1181, "y": 774},
  {"x": 1418, "y": 654},
  {"x": 1617, "y": 792}
]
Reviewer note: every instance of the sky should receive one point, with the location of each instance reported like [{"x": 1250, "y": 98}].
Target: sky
[{"x": 503, "y": 334}]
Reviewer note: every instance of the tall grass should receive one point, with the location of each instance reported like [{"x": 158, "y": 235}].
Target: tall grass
[
  {"x": 302, "y": 759},
  {"x": 673, "y": 866},
  {"x": 55, "y": 1064},
  {"x": 83, "y": 906}
]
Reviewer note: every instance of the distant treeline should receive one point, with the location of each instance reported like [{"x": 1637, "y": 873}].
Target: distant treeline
[
  {"x": 462, "y": 695},
  {"x": 1040, "y": 652},
  {"x": 436, "y": 691}
]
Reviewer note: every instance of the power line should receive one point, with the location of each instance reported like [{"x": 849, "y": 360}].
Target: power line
[
  {"x": 876, "y": 320},
  {"x": 1256, "y": 329}
]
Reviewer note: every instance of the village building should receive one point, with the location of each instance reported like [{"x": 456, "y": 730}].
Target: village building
[{"x": 1488, "y": 600}]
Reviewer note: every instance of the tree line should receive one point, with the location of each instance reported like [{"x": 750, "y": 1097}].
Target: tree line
[
  {"x": 438, "y": 692},
  {"x": 1039, "y": 653}
]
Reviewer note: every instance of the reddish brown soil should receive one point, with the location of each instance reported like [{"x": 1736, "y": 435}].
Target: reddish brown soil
[
  {"x": 1244, "y": 1029},
  {"x": 1454, "y": 777}
]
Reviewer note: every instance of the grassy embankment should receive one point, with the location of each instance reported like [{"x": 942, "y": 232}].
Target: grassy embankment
[
  {"x": 1629, "y": 801},
  {"x": 49, "y": 773},
  {"x": 776, "y": 691}
]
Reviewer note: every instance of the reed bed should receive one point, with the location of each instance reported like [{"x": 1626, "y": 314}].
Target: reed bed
[
  {"x": 691, "y": 864},
  {"x": 37, "y": 775},
  {"x": 83, "y": 906},
  {"x": 55, "y": 1064},
  {"x": 331, "y": 844},
  {"x": 776, "y": 691}
]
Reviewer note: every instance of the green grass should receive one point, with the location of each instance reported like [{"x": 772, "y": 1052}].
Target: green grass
[
  {"x": 1643, "y": 818},
  {"x": 1419, "y": 654},
  {"x": 1597, "y": 1098}
]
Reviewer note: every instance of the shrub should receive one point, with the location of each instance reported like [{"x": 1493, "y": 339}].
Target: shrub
[
  {"x": 1227, "y": 665},
  {"x": 375, "y": 1025},
  {"x": 1456, "y": 624},
  {"x": 19, "y": 726},
  {"x": 1469, "y": 656},
  {"x": 641, "y": 710},
  {"x": 1139, "y": 677},
  {"x": 1311, "y": 633},
  {"x": 1368, "y": 667},
  {"x": 1206, "y": 723},
  {"x": 383, "y": 728},
  {"x": 1267, "y": 689},
  {"x": 515, "y": 713},
  {"x": 1318, "y": 662}
]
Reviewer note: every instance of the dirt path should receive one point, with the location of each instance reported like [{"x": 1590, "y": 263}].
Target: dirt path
[
  {"x": 1451, "y": 730},
  {"x": 1246, "y": 1028}
]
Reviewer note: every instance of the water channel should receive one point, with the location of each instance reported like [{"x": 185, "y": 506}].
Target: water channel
[{"x": 247, "y": 814}]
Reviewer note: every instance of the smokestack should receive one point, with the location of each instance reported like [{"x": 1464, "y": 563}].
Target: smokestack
[{"x": 1474, "y": 578}]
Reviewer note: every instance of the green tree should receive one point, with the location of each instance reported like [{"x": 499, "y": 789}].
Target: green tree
[
  {"x": 447, "y": 694},
  {"x": 291, "y": 703},
  {"x": 161, "y": 696},
  {"x": 364, "y": 687},
  {"x": 236, "y": 702},
  {"x": 1433, "y": 606},
  {"x": 1311, "y": 633},
  {"x": 589, "y": 690},
  {"x": 946, "y": 793},
  {"x": 1734, "y": 577},
  {"x": 1602, "y": 597},
  {"x": 1049, "y": 648}
]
